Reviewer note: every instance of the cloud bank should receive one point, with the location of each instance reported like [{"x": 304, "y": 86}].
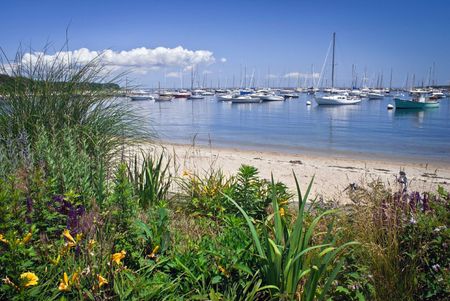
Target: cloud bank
[
  {"x": 140, "y": 59},
  {"x": 301, "y": 75}
]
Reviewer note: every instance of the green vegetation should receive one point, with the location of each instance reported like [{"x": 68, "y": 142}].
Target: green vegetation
[{"x": 79, "y": 220}]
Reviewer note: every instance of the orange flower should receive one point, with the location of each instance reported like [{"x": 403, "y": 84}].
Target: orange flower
[
  {"x": 101, "y": 281},
  {"x": 117, "y": 257},
  {"x": 29, "y": 279}
]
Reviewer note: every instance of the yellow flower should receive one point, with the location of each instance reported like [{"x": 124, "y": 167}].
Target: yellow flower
[
  {"x": 64, "y": 285},
  {"x": 101, "y": 281},
  {"x": 27, "y": 238},
  {"x": 153, "y": 254},
  {"x": 223, "y": 271},
  {"x": 56, "y": 261},
  {"x": 29, "y": 279},
  {"x": 91, "y": 244},
  {"x": 117, "y": 257},
  {"x": 282, "y": 211},
  {"x": 69, "y": 237},
  {"x": 283, "y": 202},
  {"x": 185, "y": 173},
  {"x": 78, "y": 237},
  {"x": 3, "y": 239}
]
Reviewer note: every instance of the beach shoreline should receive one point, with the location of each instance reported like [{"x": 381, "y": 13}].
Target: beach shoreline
[{"x": 332, "y": 174}]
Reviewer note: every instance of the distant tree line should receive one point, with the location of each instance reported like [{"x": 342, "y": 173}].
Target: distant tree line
[{"x": 7, "y": 82}]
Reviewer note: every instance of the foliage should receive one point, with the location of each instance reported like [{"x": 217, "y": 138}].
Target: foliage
[
  {"x": 207, "y": 195},
  {"x": 203, "y": 193},
  {"x": 290, "y": 262},
  {"x": 151, "y": 180},
  {"x": 396, "y": 232}
]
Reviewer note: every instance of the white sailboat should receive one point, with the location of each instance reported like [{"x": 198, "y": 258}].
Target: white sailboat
[{"x": 335, "y": 98}]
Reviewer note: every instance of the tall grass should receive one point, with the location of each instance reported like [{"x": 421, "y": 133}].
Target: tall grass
[{"x": 49, "y": 95}]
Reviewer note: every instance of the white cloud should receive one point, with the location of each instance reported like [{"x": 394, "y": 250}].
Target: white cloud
[
  {"x": 174, "y": 74},
  {"x": 223, "y": 60},
  {"x": 301, "y": 75},
  {"x": 272, "y": 76},
  {"x": 207, "y": 72},
  {"x": 144, "y": 59}
]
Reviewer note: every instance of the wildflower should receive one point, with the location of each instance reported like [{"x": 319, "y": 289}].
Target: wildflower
[
  {"x": 75, "y": 277},
  {"x": 56, "y": 261},
  {"x": 8, "y": 281},
  {"x": 185, "y": 173},
  {"x": 64, "y": 285},
  {"x": 436, "y": 267},
  {"x": 91, "y": 244},
  {"x": 69, "y": 237},
  {"x": 117, "y": 257},
  {"x": 153, "y": 254},
  {"x": 223, "y": 271},
  {"x": 101, "y": 281},
  {"x": 78, "y": 237},
  {"x": 27, "y": 238},
  {"x": 3, "y": 239},
  {"x": 282, "y": 211},
  {"x": 30, "y": 279},
  {"x": 284, "y": 202}
]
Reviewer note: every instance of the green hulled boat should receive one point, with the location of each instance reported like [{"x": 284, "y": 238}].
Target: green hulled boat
[{"x": 421, "y": 103}]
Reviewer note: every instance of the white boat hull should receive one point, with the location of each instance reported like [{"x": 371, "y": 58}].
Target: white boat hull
[
  {"x": 141, "y": 97},
  {"x": 272, "y": 98},
  {"x": 245, "y": 100},
  {"x": 337, "y": 100},
  {"x": 161, "y": 98},
  {"x": 224, "y": 97}
]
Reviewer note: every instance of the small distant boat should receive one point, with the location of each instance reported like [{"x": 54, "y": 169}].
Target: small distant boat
[
  {"x": 226, "y": 97},
  {"x": 272, "y": 98},
  {"x": 161, "y": 98},
  {"x": 415, "y": 103},
  {"x": 181, "y": 94},
  {"x": 207, "y": 93},
  {"x": 289, "y": 95},
  {"x": 196, "y": 96},
  {"x": 140, "y": 95},
  {"x": 245, "y": 99},
  {"x": 375, "y": 95}
]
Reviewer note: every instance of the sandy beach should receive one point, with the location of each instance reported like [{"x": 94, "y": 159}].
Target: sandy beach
[{"x": 333, "y": 174}]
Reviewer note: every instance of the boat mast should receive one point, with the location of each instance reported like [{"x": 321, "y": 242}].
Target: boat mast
[
  {"x": 332, "y": 64},
  {"x": 390, "y": 81}
]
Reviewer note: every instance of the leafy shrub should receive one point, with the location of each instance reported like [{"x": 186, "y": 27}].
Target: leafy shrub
[
  {"x": 203, "y": 193},
  {"x": 207, "y": 195}
]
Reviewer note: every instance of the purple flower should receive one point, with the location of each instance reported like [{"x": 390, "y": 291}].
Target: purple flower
[{"x": 29, "y": 202}]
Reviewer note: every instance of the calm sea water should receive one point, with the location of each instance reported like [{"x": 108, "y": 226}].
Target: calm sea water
[{"x": 367, "y": 129}]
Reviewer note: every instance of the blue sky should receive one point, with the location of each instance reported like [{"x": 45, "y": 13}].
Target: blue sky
[{"x": 261, "y": 37}]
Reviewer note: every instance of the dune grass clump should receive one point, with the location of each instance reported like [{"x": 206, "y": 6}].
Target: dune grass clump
[{"x": 54, "y": 94}]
